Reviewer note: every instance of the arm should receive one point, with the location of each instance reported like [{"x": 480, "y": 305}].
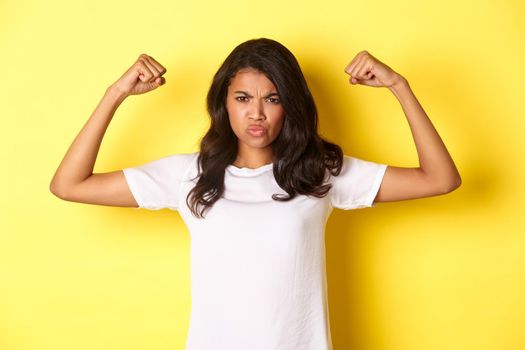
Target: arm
[
  {"x": 74, "y": 179},
  {"x": 436, "y": 173}
]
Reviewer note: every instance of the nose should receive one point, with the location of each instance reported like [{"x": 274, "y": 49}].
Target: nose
[{"x": 258, "y": 110}]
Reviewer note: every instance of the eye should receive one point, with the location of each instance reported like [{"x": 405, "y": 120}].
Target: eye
[
  {"x": 274, "y": 100},
  {"x": 238, "y": 97}
]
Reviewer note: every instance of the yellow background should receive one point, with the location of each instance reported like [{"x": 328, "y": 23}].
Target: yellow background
[{"x": 445, "y": 272}]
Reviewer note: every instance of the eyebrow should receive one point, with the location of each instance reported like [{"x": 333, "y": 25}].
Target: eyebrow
[{"x": 247, "y": 94}]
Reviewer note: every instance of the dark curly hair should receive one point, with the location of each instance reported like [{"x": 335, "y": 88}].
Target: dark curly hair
[{"x": 301, "y": 155}]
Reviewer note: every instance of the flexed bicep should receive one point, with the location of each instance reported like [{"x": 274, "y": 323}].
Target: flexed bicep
[
  {"x": 401, "y": 183},
  {"x": 109, "y": 188}
]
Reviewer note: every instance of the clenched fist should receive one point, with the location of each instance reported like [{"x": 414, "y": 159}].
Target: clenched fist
[
  {"x": 365, "y": 69},
  {"x": 143, "y": 76}
]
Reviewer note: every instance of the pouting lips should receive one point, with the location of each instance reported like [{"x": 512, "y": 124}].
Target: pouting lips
[{"x": 256, "y": 131}]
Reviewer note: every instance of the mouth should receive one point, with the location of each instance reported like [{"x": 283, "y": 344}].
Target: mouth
[{"x": 256, "y": 130}]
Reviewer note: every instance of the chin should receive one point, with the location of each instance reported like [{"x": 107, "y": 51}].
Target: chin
[{"x": 262, "y": 143}]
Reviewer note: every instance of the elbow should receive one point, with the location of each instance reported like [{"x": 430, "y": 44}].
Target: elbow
[
  {"x": 57, "y": 190},
  {"x": 54, "y": 190},
  {"x": 451, "y": 185}
]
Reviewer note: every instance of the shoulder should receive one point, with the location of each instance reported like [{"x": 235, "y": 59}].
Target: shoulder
[
  {"x": 179, "y": 159},
  {"x": 169, "y": 166},
  {"x": 350, "y": 164},
  {"x": 356, "y": 169},
  {"x": 357, "y": 183},
  {"x": 182, "y": 162}
]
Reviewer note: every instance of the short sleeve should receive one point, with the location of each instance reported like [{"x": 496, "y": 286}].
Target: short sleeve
[
  {"x": 357, "y": 184},
  {"x": 156, "y": 184}
]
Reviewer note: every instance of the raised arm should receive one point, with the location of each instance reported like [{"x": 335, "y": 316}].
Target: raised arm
[
  {"x": 436, "y": 173},
  {"x": 74, "y": 179}
]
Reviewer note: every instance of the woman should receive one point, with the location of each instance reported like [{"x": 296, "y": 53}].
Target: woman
[{"x": 257, "y": 195}]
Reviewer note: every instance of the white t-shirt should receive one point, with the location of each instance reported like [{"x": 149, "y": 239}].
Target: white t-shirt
[{"x": 257, "y": 266}]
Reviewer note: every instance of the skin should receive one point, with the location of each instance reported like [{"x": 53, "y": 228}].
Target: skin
[
  {"x": 75, "y": 181},
  {"x": 436, "y": 173},
  {"x": 253, "y": 99}
]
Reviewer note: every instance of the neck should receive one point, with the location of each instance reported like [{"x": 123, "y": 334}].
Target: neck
[{"x": 253, "y": 160}]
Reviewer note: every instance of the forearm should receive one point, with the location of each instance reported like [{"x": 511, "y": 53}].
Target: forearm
[
  {"x": 79, "y": 161},
  {"x": 434, "y": 159}
]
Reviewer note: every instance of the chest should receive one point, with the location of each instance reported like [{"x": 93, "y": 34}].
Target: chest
[{"x": 247, "y": 207}]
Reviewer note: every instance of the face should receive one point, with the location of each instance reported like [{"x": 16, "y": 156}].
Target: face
[{"x": 255, "y": 111}]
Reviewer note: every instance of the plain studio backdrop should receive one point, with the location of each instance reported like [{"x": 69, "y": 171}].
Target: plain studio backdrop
[{"x": 440, "y": 273}]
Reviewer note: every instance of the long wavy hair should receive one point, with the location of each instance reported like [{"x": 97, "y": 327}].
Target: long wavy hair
[{"x": 301, "y": 155}]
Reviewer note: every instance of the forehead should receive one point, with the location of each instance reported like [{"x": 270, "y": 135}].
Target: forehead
[{"x": 250, "y": 77}]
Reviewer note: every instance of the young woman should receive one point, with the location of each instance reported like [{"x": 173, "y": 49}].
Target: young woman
[{"x": 257, "y": 195}]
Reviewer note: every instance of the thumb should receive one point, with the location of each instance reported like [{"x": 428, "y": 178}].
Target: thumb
[
  {"x": 160, "y": 81},
  {"x": 354, "y": 80},
  {"x": 367, "y": 82},
  {"x": 156, "y": 83}
]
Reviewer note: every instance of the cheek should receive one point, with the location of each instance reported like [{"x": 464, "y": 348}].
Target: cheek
[
  {"x": 280, "y": 119},
  {"x": 232, "y": 116},
  {"x": 235, "y": 121}
]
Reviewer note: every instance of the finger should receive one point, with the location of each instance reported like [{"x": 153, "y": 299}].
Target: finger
[
  {"x": 354, "y": 80},
  {"x": 358, "y": 64},
  {"x": 159, "y": 81},
  {"x": 350, "y": 65},
  {"x": 145, "y": 74},
  {"x": 364, "y": 70},
  {"x": 155, "y": 73},
  {"x": 157, "y": 65},
  {"x": 354, "y": 62}
]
